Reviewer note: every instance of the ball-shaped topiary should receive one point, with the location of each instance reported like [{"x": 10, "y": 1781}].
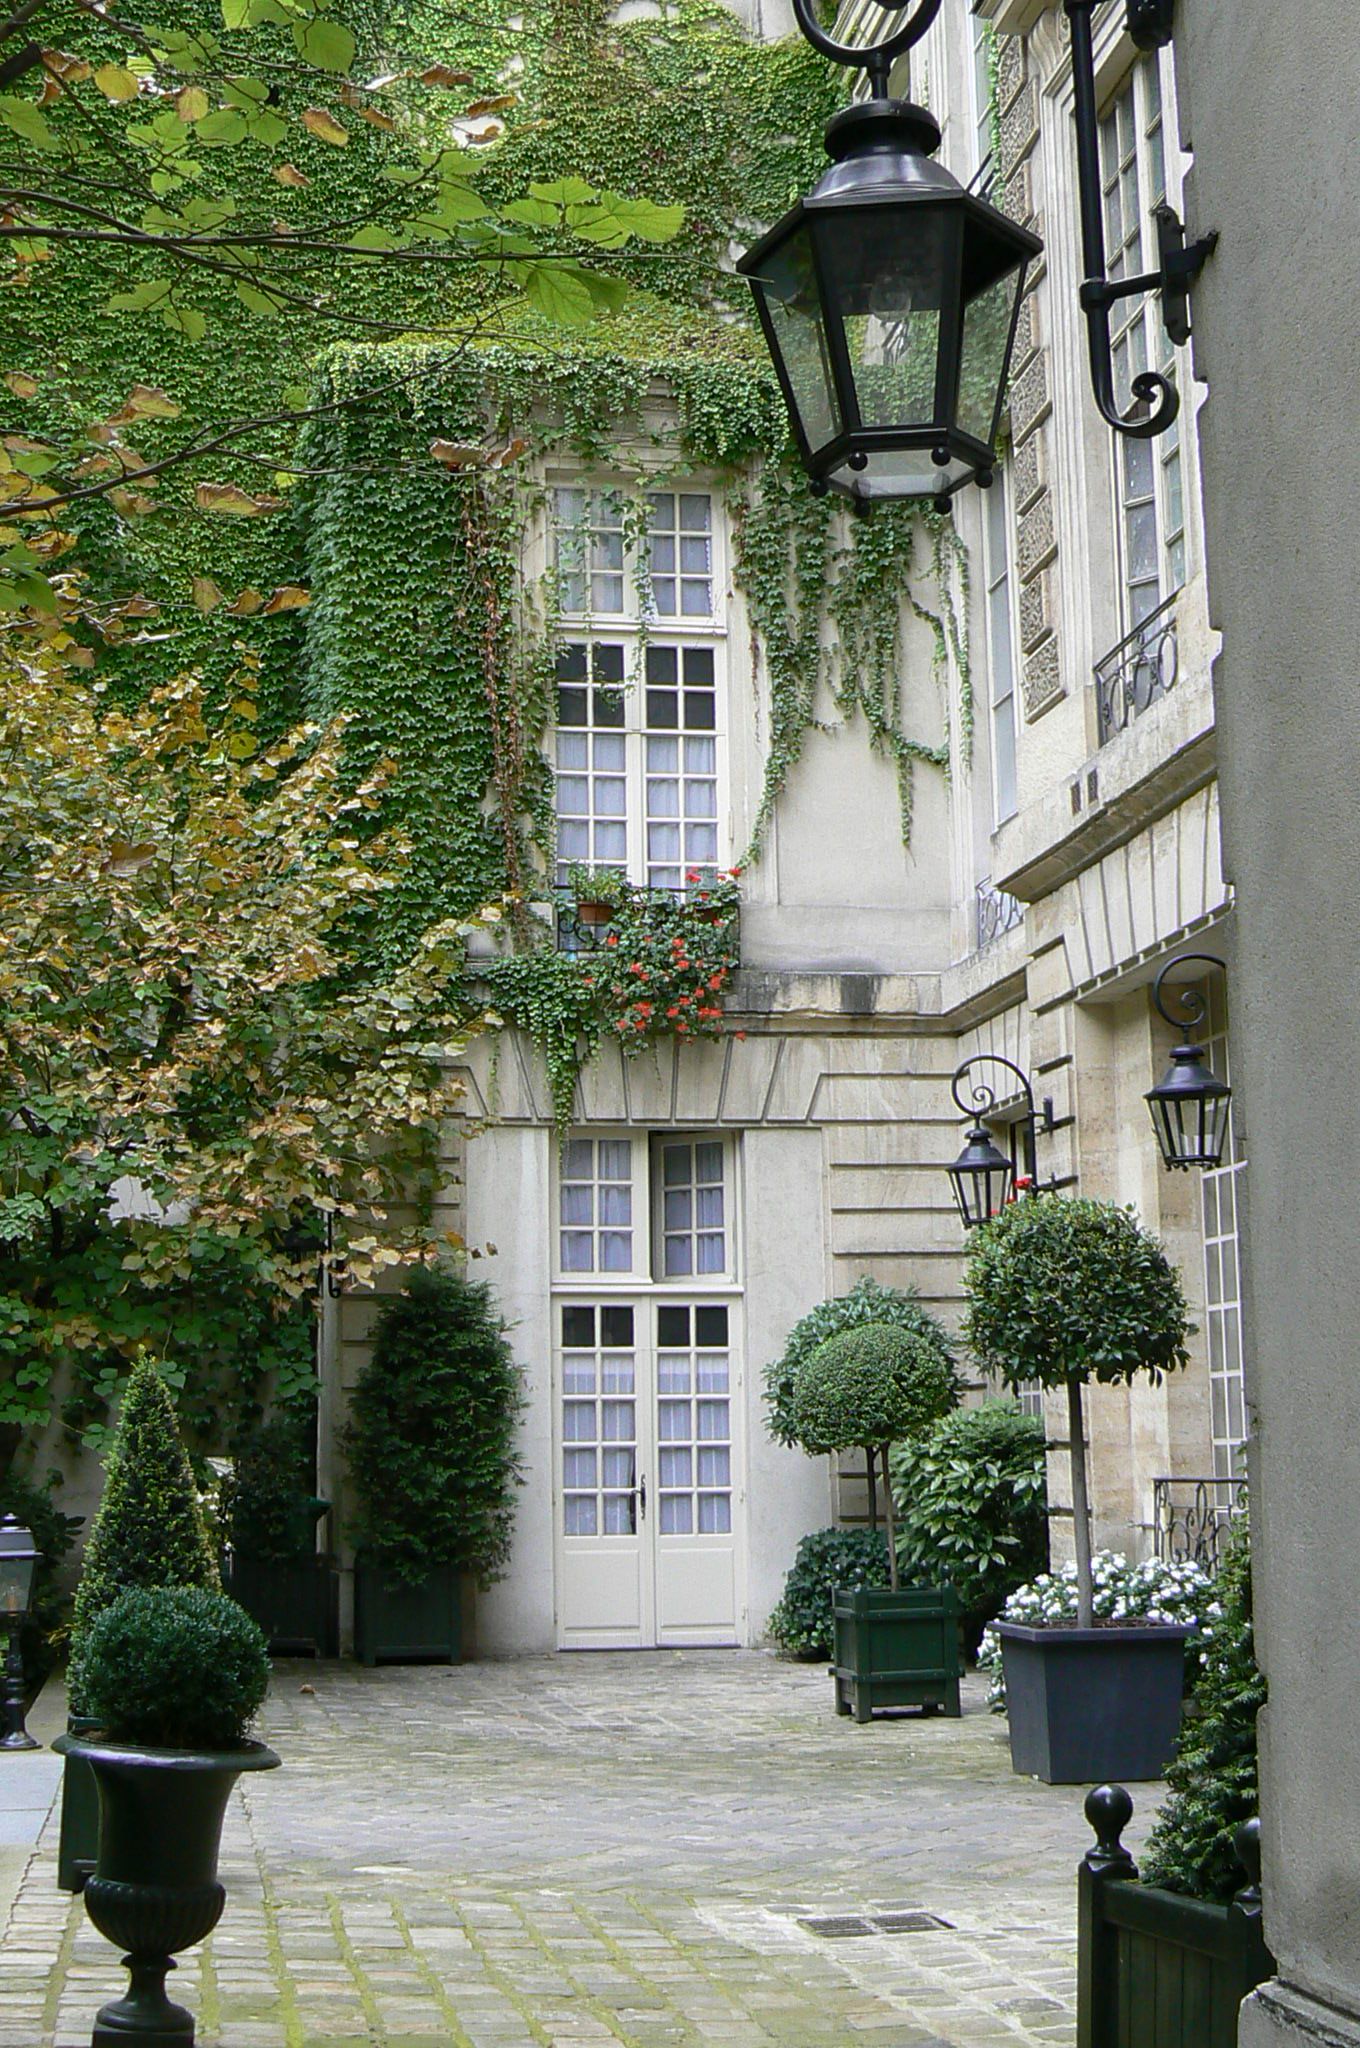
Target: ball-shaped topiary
[
  {"x": 867, "y": 1302},
  {"x": 148, "y": 1530},
  {"x": 431, "y": 1436},
  {"x": 175, "y": 1667},
  {"x": 1064, "y": 1290},
  {"x": 872, "y": 1386}
]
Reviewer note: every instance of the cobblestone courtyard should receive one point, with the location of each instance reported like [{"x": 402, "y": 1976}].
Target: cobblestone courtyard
[{"x": 603, "y": 1849}]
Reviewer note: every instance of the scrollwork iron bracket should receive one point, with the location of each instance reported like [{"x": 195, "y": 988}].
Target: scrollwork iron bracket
[
  {"x": 982, "y": 1100},
  {"x": 1157, "y": 401},
  {"x": 875, "y": 58}
]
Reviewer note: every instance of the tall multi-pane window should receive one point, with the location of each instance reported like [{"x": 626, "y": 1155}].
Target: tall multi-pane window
[
  {"x": 1149, "y": 474},
  {"x": 984, "y": 44},
  {"x": 641, "y": 684},
  {"x": 1220, "y": 1198},
  {"x": 1000, "y": 649}
]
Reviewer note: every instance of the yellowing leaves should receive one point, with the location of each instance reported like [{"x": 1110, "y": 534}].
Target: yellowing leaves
[
  {"x": 207, "y": 595},
  {"x": 323, "y": 124},
  {"x": 442, "y": 75},
  {"x": 289, "y": 597},
  {"x": 116, "y": 83},
  {"x": 22, "y": 385},
  {"x": 288, "y": 174},
  {"x": 192, "y": 104},
  {"x": 235, "y": 503}
]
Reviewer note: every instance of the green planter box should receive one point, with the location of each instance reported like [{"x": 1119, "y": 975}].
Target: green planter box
[
  {"x": 1156, "y": 1969},
  {"x": 896, "y": 1650},
  {"x": 296, "y": 1601},
  {"x": 396, "y": 1622}
]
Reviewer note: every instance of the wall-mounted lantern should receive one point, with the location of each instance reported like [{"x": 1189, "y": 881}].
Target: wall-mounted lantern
[
  {"x": 1189, "y": 1105},
  {"x": 889, "y": 296},
  {"x": 982, "y": 1176}
]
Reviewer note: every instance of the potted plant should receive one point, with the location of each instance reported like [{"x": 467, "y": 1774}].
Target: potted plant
[
  {"x": 1062, "y": 1291},
  {"x": 171, "y": 1678},
  {"x": 1190, "y": 1924},
  {"x": 274, "y": 1567},
  {"x": 598, "y": 892},
  {"x": 867, "y": 1388},
  {"x": 148, "y": 1531},
  {"x": 824, "y": 1560},
  {"x": 431, "y": 1450}
]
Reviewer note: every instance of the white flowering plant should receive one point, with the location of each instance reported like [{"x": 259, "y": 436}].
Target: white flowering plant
[{"x": 1122, "y": 1592}]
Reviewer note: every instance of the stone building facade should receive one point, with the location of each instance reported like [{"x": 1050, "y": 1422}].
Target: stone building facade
[{"x": 1047, "y": 880}]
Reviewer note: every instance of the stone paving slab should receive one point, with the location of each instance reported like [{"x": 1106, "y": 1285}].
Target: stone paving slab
[{"x": 604, "y": 1851}]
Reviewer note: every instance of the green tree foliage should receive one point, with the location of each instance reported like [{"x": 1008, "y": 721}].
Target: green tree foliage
[
  {"x": 1213, "y": 1775},
  {"x": 971, "y": 1498},
  {"x": 148, "y": 1530},
  {"x": 801, "y": 1622},
  {"x": 867, "y": 1302},
  {"x": 1064, "y": 1290},
  {"x": 268, "y": 1509},
  {"x": 175, "y": 1667},
  {"x": 431, "y": 1436},
  {"x": 871, "y": 1386}
]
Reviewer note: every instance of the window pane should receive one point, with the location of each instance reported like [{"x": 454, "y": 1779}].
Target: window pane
[
  {"x": 715, "y": 1514},
  {"x": 580, "y": 1515},
  {"x": 676, "y": 1514},
  {"x": 679, "y": 1259},
  {"x": 577, "y": 1251},
  {"x": 673, "y": 1421},
  {"x": 616, "y": 1325},
  {"x": 616, "y": 1251},
  {"x": 710, "y": 1327}
]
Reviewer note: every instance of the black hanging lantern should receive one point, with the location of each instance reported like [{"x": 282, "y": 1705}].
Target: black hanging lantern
[
  {"x": 981, "y": 1179},
  {"x": 889, "y": 299},
  {"x": 1190, "y": 1104}
]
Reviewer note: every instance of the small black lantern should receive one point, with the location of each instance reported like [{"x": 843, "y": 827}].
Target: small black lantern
[
  {"x": 889, "y": 299},
  {"x": 18, "y": 1561},
  {"x": 982, "y": 1176},
  {"x": 1190, "y": 1104}
]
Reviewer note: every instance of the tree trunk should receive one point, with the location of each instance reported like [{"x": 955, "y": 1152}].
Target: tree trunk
[
  {"x": 890, "y": 1517},
  {"x": 1081, "y": 1510},
  {"x": 872, "y": 1471}
]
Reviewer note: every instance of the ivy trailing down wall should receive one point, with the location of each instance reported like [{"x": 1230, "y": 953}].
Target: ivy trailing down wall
[{"x": 433, "y": 599}]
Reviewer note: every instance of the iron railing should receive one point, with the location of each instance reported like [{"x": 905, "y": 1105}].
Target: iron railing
[
  {"x": 663, "y": 908},
  {"x": 996, "y": 913},
  {"x": 1143, "y": 667},
  {"x": 1191, "y": 1517}
]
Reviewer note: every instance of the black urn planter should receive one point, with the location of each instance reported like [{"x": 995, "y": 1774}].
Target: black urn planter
[
  {"x": 155, "y": 1889},
  {"x": 896, "y": 1650},
  {"x": 1156, "y": 1969},
  {"x": 1090, "y": 1705},
  {"x": 403, "y": 1621},
  {"x": 78, "y": 1841}
]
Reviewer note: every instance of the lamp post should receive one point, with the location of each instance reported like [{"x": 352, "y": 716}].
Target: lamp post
[
  {"x": 889, "y": 297},
  {"x": 1189, "y": 1105},
  {"x": 18, "y": 1561},
  {"x": 982, "y": 1175}
]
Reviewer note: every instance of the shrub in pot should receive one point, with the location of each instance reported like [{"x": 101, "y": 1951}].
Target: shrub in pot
[
  {"x": 1177, "y": 1591},
  {"x": 147, "y": 1531},
  {"x": 172, "y": 1678},
  {"x": 849, "y": 1558},
  {"x": 1063, "y": 1291},
  {"x": 868, "y": 1387},
  {"x": 431, "y": 1451},
  {"x": 971, "y": 1500},
  {"x": 270, "y": 1516}
]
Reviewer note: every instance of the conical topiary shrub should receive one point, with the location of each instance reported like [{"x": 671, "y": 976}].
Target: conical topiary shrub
[{"x": 148, "y": 1530}]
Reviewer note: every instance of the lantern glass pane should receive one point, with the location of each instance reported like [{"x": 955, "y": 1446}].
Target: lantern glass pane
[
  {"x": 885, "y": 275},
  {"x": 16, "y": 1578},
  {"x": 789, "y": 287},
  {"x": 982, "y": 361}
]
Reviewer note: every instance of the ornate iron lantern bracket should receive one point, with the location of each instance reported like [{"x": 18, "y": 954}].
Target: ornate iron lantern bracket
[
  {"x": 1156, "y": 399},
  {"x": 981, "y": 1175},
  {"x": 877, "y": 59}
]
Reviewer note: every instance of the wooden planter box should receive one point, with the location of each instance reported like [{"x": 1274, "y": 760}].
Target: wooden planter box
[
  {"x": 1154, "y": 1968},
  {"x": 396, "y": 1622},
  {"x": 896, "y": 1650},
  {"x": 78, "y": 1840},
  {"x": 295, "y": 1601},
  {"x": 1086, "y": 1706}
]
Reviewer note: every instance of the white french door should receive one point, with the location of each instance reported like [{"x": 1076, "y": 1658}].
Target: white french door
[{"x": 646, "y": 1454}]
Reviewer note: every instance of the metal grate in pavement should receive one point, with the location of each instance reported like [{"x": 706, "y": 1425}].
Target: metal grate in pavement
[
  {"x": 854, "y": 1926},
  {"x": 914, "y": 1922}
]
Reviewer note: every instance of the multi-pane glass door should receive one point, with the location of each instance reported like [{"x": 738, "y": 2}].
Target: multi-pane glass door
[{"x": 645, "y": 1452}]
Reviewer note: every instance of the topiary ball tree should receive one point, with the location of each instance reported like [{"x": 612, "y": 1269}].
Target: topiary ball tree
[
  {"x": 1066, "y": 1290},
  {"x": 867, "y": 1389},
  {"x": 148, "y": 1529},
  {"x": 176, "y": 1667},
  {"x": 431, "y": 1435},
  {"x": 867, "y": 1302}
]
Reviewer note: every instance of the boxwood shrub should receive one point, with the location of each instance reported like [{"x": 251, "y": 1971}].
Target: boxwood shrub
[
  {"x": 175, "y": 1667},
  {"x": 853, "y": 1558},
  {"x": 867, "y": 1302}
]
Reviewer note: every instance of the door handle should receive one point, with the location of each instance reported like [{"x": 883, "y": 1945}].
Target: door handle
[{"x": 642, "y": 1495}]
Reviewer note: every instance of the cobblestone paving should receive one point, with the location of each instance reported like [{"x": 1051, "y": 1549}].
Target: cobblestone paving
[{"x": 606, "y": 1850}]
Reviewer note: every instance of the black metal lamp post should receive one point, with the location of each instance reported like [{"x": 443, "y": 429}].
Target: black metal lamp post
[
  {"x": 1189, "y": 1105},
  {"x": 18, "y": 1562},
  {"x": 981, "y": 1176},
  {"x": 889, "y": 298}
]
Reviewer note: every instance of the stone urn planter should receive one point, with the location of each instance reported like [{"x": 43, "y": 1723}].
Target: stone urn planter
[
  {"x": 155, "y": 1888},
  {"x": 1092, "y": 1705}
]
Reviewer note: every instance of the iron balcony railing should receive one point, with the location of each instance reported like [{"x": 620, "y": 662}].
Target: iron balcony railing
[
  {"x": 664, "y": 910},
  {"x": 1134, "y": 674},
  {"x": 996, "y": 913},
  {"x": 1191, "y": 1517}
]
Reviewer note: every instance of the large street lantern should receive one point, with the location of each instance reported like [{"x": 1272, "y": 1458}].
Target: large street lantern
[
  {"x": 981, "y": 1176},
  {"x": 889, "y": 298},
  {"x": 1189, "y": 1105}
]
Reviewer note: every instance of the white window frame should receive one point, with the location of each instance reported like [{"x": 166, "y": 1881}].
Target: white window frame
[
  {"x": 646, "y": 1274},
  {"x": 1000, "y": 620},
  {"x": 1229, "y": 1422},
  {"x": 637, "y": 627},
  {"x": 1144, "y": 473}
]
